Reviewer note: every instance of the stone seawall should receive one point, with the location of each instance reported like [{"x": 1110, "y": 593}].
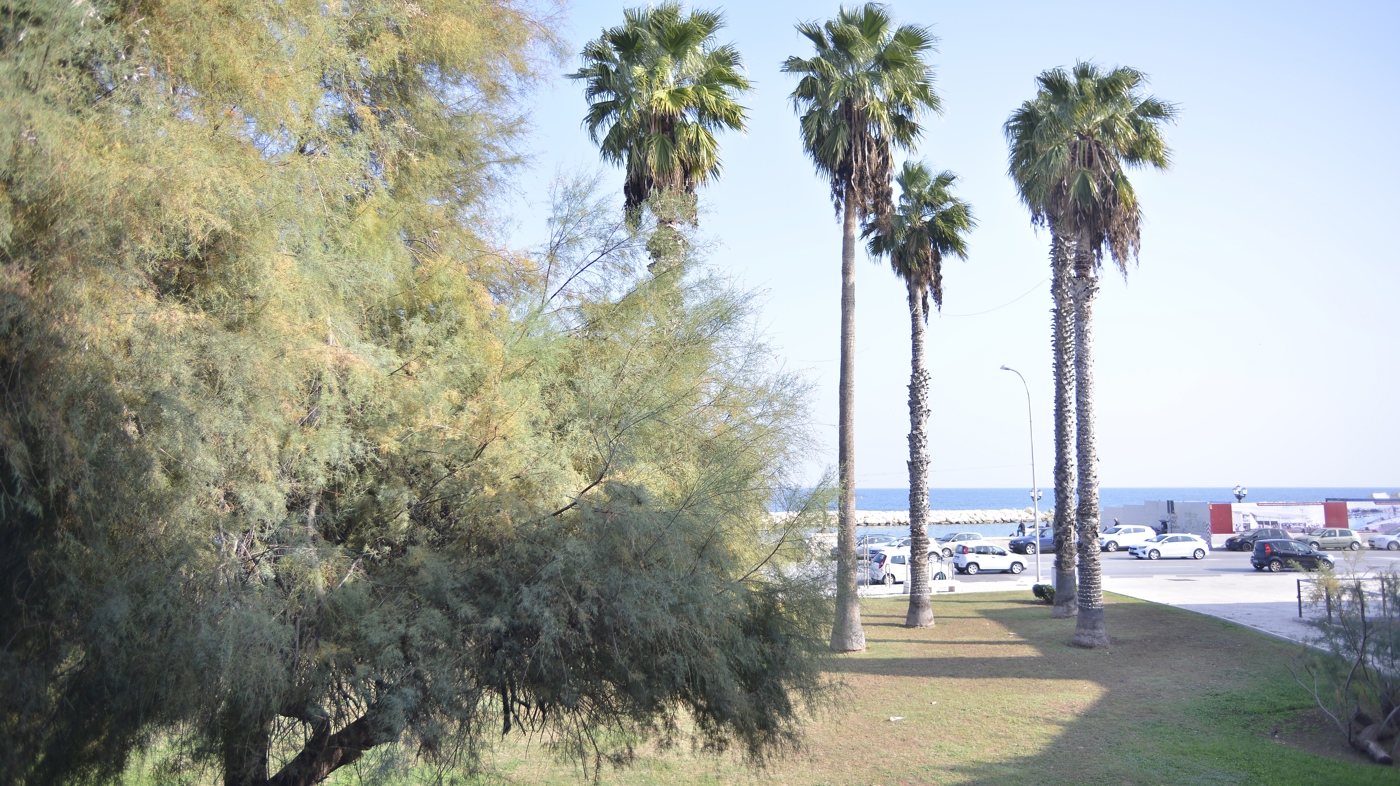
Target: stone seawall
[{"x": 900, "y": 518}]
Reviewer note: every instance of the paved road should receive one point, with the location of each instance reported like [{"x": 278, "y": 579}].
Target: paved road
[
  {"x": 1222, "y": 585},
  {"x": 1220, "y": 561}
]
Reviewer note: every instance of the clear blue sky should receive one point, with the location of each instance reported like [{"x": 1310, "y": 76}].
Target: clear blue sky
[{"x": 1256, "y": 343}]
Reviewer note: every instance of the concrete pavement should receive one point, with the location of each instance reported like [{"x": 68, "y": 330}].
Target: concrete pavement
[{"x": 1223, "y": 585}]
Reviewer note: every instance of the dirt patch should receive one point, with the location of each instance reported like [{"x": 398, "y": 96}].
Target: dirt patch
[{"x": 1312, "y": 731}]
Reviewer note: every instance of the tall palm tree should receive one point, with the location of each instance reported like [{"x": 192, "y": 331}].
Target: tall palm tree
[
  {"x": 1096, "y": 125},
  {"x": 1027, "y": 132},
  {"x": 659, "y": 88},
  {"x": 928, "y": 225},
  {"x": 860, "y": 95}
]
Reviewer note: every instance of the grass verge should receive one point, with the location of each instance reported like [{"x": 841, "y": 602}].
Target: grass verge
[{"x": 994, "y": 695}]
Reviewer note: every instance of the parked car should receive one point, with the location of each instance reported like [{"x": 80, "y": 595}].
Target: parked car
[
  {"x": 891, "y": 566},
  {"x": 1275, "y": 555},
  {"x": 865, "y": 544},
  {"x": 1331, "y": 539},
  {"x": 1388, "y": 542},
  {"x": 1245, "y": 540},
  {"x": 1172, "y": 545},
  {"x": 1124, "y": 536},
  {"x": 947, "y": 543},
  {"x": 973, "y": 559},
  {"x": 1027, "y": 544}
]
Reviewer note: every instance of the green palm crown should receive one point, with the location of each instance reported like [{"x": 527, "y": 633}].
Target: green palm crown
[
  {"x": 928, "y": 224},
  {"x": 1071, "y": 146},
  {"x": 862, "y": 93},
  {"x": 658, "y": 89}
]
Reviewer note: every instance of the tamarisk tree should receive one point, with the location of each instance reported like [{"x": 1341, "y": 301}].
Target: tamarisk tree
[{"x": 296, "y": 465}]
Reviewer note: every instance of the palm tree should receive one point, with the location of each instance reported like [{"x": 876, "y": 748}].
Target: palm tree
[
  {"x": 658, "y": 89},
  {"x": 928, "y": 224},
  {"x": 860, "y": 95},
  {"x": 1095, "y": 125},
  {"x": 1026, "y": 132}
]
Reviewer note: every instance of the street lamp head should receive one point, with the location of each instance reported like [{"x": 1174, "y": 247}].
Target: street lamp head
[{"x": 1004, "y": 368}]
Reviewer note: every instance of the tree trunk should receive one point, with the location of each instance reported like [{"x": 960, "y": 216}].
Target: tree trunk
[
  {"x": 920, "y": 613},
  {"x": 1091, "y": 629},
  {"x": 324, "y": 753},
  {"x": 847, "y": 635},
  {"x": 1066, "y": 601},
  {"x": 246, "y": 746}
]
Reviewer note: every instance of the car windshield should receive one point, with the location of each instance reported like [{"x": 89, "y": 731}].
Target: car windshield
[
  {"x": 1157, "y": 539},
  {"x": 1111, "y": 531}
]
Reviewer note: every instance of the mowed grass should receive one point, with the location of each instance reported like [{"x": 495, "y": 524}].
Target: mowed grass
[{"x": 995, "y": 695}]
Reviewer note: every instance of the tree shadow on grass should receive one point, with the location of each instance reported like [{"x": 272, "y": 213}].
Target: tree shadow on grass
[{"x": 1178, "y": 698}]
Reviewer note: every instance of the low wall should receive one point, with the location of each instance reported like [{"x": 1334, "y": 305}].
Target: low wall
[{"x": 900, "y": 518}]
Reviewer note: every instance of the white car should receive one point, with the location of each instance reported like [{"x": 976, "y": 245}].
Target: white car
[
  {"x": 890, "y": 566},
  {"x": 1175, "y": 545},
  {"x": 1388, "y": 542},
  {"x": 1124, "y": 536},
  {"x": 973, "y": 559},
  {"x": 948, "y": 543}
]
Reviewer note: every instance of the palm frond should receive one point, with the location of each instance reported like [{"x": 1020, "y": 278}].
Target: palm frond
[
  {"x": 659, "y": 86},
  {"x": 1069, "y": 148}
]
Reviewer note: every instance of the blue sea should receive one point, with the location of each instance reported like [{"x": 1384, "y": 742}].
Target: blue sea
[{"x": 998, "y": 499}]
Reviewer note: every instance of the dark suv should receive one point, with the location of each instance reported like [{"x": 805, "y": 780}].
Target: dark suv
[
  {"x": 1026, "y": 544},
  {"x": 1245, "y": 540},
  {"x": 1275, "y": 555}
]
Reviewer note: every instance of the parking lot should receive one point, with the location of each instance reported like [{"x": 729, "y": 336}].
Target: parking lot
[
  {"x": 1217, "y": 562},
  {"x": 1222, "y": 585}
]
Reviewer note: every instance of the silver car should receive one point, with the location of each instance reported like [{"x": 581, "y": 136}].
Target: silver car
[{"x": 1388, "y": 542}]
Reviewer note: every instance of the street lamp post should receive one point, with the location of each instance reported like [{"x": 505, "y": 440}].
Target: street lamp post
[{"x": 1035, "y": 488}]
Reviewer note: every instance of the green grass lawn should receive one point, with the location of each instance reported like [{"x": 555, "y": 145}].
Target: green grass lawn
[{"x": 994, "y": 695}]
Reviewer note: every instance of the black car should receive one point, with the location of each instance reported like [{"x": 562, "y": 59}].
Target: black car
[
  {"x": 1275, "y": 555},
  {"x": 1245, "y": 541},
  {"x": 1026, "y": 543}
]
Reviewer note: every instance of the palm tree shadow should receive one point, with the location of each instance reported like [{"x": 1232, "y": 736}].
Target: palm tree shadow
[{"x": 1088, "y": 701}]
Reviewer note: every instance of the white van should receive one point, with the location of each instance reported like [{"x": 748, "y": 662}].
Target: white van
[{"x": 890, "y": 566}]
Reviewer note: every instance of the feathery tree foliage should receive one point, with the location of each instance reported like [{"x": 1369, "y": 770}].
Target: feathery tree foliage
[
  {"x": 1071, "y": 147},
  {"x": 659, "y": 88},
  {"x": 295, "y": 464},
  {"x": 929, "y": 224},
  {"x": 859, "y": 96}
]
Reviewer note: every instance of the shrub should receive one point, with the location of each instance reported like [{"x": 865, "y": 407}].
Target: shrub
[
  {"x": 1045, "y": 592},
  {"x": 1354, "y": 674}
]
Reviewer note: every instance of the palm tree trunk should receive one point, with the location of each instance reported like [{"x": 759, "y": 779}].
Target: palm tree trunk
[
  {"x": 1066, "y": 602},
  {"x": 920, "y": 613},
  {"x": 1091, "y": 629},
  {"x": 847, "y": 635}
]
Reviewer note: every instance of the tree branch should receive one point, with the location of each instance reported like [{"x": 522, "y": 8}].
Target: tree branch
[{"x": 326, "y": 753}]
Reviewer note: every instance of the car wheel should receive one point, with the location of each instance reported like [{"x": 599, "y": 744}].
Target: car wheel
[
  {"x": 971, "y": 569},
  {"x": 1112, "y": 545},
  {"x": 1017, "y": 567},
  {"x": 1030, "y": 548},
  {"x": 1354, "y": 546},
  {"x": 1154, "y": 554},
  {"x": 1275, "y": 565},
  {"x": 1392, "y": 546},
  {"x": 947, "y": 552},
  {"x": 1199, "y": 554},
  {"x": 1316, "y": 546},
  {"x": 889, "y": 580}
]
